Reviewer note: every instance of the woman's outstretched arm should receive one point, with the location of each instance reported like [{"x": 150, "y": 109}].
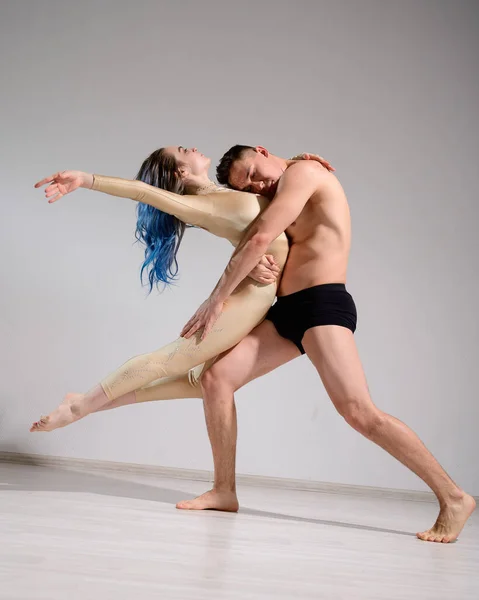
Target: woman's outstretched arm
[{"x": 193, "y": 210}]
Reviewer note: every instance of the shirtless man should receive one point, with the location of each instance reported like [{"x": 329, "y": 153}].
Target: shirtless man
[{"x": 314, "y": 314}]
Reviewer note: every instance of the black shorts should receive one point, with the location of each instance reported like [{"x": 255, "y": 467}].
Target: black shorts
[{"x": 327, "y": 304}]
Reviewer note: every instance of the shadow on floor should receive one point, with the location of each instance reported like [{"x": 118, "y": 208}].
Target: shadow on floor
[{"x": 47, "y": 479}]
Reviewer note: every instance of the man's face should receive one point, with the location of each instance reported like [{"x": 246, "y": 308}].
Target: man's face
[{"x": 257, "y": 172}]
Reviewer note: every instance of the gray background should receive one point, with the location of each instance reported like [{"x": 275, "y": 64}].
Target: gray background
[{"x": 388, "y": 91}]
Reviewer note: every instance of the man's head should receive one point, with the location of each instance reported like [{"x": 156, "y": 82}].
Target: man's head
[{"x": 250, "y": 169}]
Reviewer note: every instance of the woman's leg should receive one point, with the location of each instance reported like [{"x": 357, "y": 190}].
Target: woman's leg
[
  {"x": 244, "y": 310},
  {"x": 167, "y": 388}
]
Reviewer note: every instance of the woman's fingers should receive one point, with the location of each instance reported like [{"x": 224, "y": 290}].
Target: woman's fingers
[
  {"x": 47, "y": 180},
  {"x": 51, "y": 191},
  {"x": 326, "y": 164}
]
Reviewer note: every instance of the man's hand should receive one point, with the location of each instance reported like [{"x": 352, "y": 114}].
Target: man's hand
[
  {"x": 206, "y": 316},
  {"x": 317, "y": 158},
  {"x": 266, "y": 271}
]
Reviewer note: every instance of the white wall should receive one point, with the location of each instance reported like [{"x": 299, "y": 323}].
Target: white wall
[{"x": 387, "y": 91}]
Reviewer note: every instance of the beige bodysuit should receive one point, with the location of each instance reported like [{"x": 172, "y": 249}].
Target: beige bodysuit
[{"x": 174, "y": 370}]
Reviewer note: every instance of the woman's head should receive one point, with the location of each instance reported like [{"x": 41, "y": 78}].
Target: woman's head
[
  {"x": 191, "y": 165},
  {"x": 173, "y": 169}
]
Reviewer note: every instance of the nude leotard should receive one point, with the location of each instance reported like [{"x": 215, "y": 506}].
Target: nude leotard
[{"x": 174, "y": 370}]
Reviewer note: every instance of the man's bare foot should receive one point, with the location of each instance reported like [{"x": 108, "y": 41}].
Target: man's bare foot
[
  {"x": 452, "y": 518},
  {"x": 212, "y": 500},
  {"x": 61, "y": 417}
]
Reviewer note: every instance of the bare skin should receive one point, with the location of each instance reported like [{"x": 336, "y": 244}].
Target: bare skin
[
  {"x": 259, "y": 353},
  {"x": 253, "y": 357},
  {"x": 73, "y": 408},
  {"x": 215, "y": 499},
  {"x": 312, "y": 209}
]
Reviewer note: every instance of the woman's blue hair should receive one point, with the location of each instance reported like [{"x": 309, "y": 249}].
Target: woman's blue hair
[{"x": 161, "y": 233}]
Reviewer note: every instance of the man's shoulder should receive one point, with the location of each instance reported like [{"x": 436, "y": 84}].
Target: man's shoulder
[
  {"x": 305, "y": 171},
  {"x": 306, "y": 167}
]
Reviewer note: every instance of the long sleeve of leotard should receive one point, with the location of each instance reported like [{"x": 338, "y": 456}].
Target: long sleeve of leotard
[{"x": 194, "y": 210}]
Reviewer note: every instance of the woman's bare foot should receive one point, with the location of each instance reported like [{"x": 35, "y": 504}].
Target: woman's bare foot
[
  {"x": 61, "y": 417},
  {"x": 71, "y": 397},
  {"x": 212, "y": 500},
  {"x": 452, "y": 518}
]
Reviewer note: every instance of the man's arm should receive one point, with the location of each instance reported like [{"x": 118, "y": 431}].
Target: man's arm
[{"x": 295, "y": 188}]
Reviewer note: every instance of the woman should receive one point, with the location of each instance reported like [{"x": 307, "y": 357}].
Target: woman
[{"x": 162, "y": 217}]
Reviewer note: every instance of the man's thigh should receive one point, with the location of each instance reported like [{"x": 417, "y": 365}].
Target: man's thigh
[
  {"x": 333, "y": 352},
  {"x": 260, "y": 352}
]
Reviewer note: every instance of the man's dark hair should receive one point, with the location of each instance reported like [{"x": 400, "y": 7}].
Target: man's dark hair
[{"x": 224, "y": 166}]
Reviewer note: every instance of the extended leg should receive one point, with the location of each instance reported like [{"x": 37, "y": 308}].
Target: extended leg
[
  {"x": 167, "y": 388},
  {"x": 244, "y": 310},
  {"x": 259, "y": 353},
  {"x": 334, "y": 354}
]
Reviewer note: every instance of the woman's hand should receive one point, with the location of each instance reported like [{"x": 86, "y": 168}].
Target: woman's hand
[
  {"x": 316, "y": 157},
  {"x": 64, "y": 182},
  {"x": 266, "y": 271}
]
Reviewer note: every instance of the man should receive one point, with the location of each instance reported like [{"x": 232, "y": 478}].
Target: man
[{"x": 314, "y": 314}]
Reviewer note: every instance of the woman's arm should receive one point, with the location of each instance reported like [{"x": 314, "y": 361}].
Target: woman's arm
[{"x": 194, "y": 210}]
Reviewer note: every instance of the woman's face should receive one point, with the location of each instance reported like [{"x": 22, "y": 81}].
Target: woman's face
[{"x": 195, "y": 162}]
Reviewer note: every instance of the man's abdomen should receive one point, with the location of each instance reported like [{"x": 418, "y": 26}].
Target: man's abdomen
[{"x": 308, "y": 266}]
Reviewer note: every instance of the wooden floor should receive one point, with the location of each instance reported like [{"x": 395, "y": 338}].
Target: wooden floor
[{"x": 71, "y": 535}]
